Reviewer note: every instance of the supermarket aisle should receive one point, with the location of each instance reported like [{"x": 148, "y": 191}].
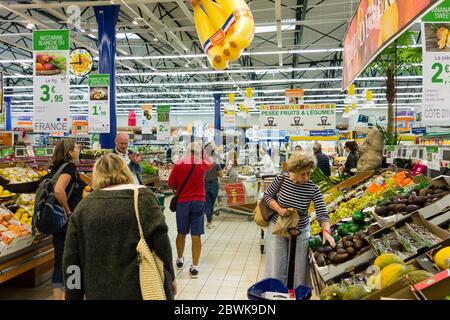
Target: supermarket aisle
[{"x": 230, "y": 263}]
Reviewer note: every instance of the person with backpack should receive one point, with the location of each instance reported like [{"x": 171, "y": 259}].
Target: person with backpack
[
  {"x": 104, "y": 234},
  {"x": 68, "y": 192},
  {"x": 187, "y": 178}
]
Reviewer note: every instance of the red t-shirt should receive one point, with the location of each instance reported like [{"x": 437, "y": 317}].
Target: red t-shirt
[
  {"x": 418, "y": 169},
  {"x": 194, "y": 190}
]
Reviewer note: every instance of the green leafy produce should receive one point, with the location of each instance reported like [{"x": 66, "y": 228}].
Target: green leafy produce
[
  {"x": 315, "y": 242},
  {"x": 148, "y": 169}
]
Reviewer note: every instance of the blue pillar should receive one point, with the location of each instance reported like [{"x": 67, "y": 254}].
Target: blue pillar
[
  {"x": 106, "y": 19},
  {"x": 217, "y": 125},
  {"x": 8, "y": 113}
]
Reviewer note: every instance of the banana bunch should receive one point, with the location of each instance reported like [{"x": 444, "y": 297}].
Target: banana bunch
[{"x": 225, "y": 28}]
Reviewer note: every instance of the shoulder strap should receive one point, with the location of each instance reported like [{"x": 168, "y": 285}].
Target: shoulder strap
[
  {"x": 136, "y": 210},
  {"x": 58, "y": 173},
  {"x": 281, "y": 183},
  {"x": 186, "y": 180}
]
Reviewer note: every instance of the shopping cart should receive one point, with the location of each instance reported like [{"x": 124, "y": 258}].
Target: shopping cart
[
  {"x": 274, "y": 289},
  {"x": 237, "y": 197}
]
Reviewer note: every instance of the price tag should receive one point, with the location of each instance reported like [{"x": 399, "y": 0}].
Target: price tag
[
  {"x": 51, "y": 81},
  {"x": 40, "y": 152},
  {"x": 163, "y": 125},
  {"x": 98, "y": 114}
]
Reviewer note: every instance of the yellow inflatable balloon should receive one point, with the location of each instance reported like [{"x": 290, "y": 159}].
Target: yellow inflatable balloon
[
  {"x": 210, "y": 38},
  {"x": 244, "y": 25},
  {"x": 230, "y": 53}
]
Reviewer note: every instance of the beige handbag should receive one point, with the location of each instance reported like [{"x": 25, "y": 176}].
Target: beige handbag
[
  {"x": 151, "y": 268},
  {"x": 262, "y": 212}
]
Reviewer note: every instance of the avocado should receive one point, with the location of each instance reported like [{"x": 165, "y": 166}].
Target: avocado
[
  {"x": 353, "y": 228},
  {"x": 351, "y": 251},
  {"x": 341, "y": 251},
  {"x": 420, "y": 201},
  {"x": 382, "y": 211},
  {"x": 358, "y": 217},
  {"x": 411, "y": 208},
  {"x": 332, "y": 256},
  {"x": 400, "y": 208},
  {"x": 321, "y": 261},
  {"x": 358, "y": 244},
  {"x": 327, "y": 249},
  {"x": 342, "y": 231},
  {"x": 348, "y": 244}
]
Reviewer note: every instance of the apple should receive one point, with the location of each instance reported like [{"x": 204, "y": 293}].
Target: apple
[
  {"x": 49, "y": 66},
  {"x": 42, "y": 58},
  {"x": 51, "y": 58}
]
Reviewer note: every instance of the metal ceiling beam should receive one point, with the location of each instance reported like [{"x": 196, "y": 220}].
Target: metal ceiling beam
[
  {"x": 81, "y": 4},
  {"x": 279, "y": 36},
  {"x": 300, "y": 15}
]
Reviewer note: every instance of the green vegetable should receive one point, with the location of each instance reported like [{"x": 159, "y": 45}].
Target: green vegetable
[
  {"x": 342, "y": 230},
  {"x": 315, "y": 242},
  {"x": 358, "y": 217}
]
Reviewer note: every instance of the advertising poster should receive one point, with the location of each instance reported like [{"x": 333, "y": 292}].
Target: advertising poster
[
  {"x": 374, "y": 25},
  {"x": 433, "y": 157},
  {"x": 146, "y": 122},
  {"x": 98, "y": 113},
  {"x": 294, "y": 96},
  {"x": 163, "y": 125},
  {"x": 51, "y": 81},
  {"x": 295, "y": 117},
  {"x": 436, "y": 66},
  {"x": 229, "y": 122}
]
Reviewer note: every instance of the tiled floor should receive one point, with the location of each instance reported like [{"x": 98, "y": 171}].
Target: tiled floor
[{"x": 230, "y": 262}]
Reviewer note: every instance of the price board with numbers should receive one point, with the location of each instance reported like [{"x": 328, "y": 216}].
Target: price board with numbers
[
  {"x": 436, "y": 66},
  {"x": 163, "y": 125},
  {"x": 51, "y": 81},
  {"x": 98, "y": 117}
]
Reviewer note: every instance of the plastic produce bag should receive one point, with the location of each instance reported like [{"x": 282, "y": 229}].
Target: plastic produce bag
[{"x": 285, "y": 223}]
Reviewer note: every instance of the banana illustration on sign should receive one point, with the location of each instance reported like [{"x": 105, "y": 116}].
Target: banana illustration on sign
[{"x": 225, "y": 28}]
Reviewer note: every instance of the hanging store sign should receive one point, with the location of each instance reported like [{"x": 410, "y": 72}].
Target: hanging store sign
[
  {"x": 436, "y": 66},
  {"x": 294, "y": 96},
  {"x": 163, "y": 126},
  {"x": 419, "y": 130},
  {"x": 296, "y": 117},
  {"x": 80, "y": 125},
  {"x": 146, "y": 122},
  {"x": 229, "y": 122},
  {"x": 375, "y": 24},
  {"x": 51, "y": 81},
  {"x": 98, "y": 115}
]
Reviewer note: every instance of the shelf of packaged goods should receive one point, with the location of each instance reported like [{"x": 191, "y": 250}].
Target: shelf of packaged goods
[{"x": 34, "y": 257}]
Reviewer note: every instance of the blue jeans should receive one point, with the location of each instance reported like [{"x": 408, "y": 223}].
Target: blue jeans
[
  {"x": 278, "y": 255},
  {"x": 59, "y": 240},
  {"x": 212, "y": 190}
]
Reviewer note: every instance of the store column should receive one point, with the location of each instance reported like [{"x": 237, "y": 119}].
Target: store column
[
  {"x": 106, "y": 19},
  {"x": 8, "y": 113},
  {"x": 217, "y": 125}
]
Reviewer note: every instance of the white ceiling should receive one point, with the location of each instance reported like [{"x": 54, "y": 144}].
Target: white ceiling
[{"x": 308, "y": 54}]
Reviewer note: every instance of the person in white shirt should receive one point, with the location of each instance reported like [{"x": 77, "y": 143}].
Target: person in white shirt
[
  {"x": 266, "y": 161},
  {"x": 133, "y": 159}
]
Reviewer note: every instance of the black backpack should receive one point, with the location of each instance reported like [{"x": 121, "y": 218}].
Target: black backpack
[{"x": 49, "y": 216}]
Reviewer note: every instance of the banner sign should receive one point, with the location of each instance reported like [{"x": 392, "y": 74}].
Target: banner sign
[
  {"x": 324, "y": 133},
  {"x": 419, "y": 130},
  {"x": 163, "y": 127},
  {"x": 375, "y": 24},
  {"x": 436, "y": 66},
  {"x": 294, "y": 117},
  {"x": 229, "y": 122},
  {"x": 98, "y": 114},
  {"x": 51, "y": 81},
  {"x": 146, "y": 122},
  {"x": 294, "y": 96}
]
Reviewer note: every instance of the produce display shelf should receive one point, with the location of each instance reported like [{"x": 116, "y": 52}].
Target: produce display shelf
[{"x": 32, "y": 257}]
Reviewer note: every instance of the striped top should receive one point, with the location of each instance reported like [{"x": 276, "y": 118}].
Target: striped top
[{"x": 297, "y": 196}]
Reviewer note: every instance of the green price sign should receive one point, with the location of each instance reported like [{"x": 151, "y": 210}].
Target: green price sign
[
  {"x": 98, "y": 111},
  {"x": 40, "y": 152},
  {"x": 49, "y": 94},
  {"x": 441, "y": 73},
  {"x": 7, "y": 152}
]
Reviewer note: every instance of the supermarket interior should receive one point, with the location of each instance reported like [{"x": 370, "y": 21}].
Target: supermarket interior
[{"x": 225, "y": 150}]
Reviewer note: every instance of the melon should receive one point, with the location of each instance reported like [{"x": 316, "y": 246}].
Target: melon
[
  {"x": 333, "y": 292},
  {"x": 391, "y": 273},
  {"x": 386, "y": 259},
  {"x": 354, "y": 292},
  {"x": 414, "y": 277},
  {"x": 442, "y": 258}
]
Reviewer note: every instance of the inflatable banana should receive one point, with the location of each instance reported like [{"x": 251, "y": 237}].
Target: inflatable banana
[
  {"x": 210, "y": 37},
  {"x": 244, "y": 25},
  {"x": 230, "y": 53}
]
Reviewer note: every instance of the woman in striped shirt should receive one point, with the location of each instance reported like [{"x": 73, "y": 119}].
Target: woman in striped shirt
[{"x": 294, "y": 190}]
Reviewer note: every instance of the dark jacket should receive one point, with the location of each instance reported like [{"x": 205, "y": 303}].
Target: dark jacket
[
  {"x": 135, "y": 168},
  {"x": 102, "y": 238},
  {"x": 351, "y": 163},
  {"x": 323, "y": 163}
]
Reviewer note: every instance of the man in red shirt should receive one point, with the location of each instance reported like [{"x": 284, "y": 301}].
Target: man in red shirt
[{"x": 191, "y": 202}]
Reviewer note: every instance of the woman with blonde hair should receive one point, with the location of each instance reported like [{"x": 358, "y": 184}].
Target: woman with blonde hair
[
  {"x": 294, "y": 190},
  {"x": 103, "y": 235}
]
